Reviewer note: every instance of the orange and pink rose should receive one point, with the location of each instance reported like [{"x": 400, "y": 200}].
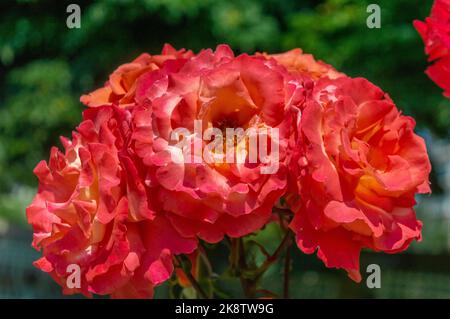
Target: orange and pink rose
[
  {"x": 356, "y": 169},
  {"x": 130, "y": 190},
  {"x": 92, "y": 211}
]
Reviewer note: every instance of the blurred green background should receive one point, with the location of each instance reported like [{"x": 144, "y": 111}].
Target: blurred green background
[{"x": 45, "y": 67}]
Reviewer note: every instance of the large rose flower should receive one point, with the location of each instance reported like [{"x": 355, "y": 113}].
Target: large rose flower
[
  {"x": 212, "y": 198},
  {"x": 435, "y": 33},
  {"x": 121, "y": 87},
  {"x": 178, "y": 146},
  {"x": 356, "y": 168},
  {"x": 92, "y": 210}
]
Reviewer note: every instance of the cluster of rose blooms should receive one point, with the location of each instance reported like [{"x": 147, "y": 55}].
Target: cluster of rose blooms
[
  {"x": 435, "y": 32},
  {"x": 116, "y": 204}
]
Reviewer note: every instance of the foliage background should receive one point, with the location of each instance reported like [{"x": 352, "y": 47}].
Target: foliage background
[{"x": 45, "y": 67}]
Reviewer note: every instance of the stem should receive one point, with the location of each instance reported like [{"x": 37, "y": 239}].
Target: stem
[
  {"x": 261, "y": 247},
  {"x": 285, "y": 243},
  {"x": 285, "y": 218},
  {"x": 248, "y": 284},
  {"x": 207, "y": 264},
  {"x": 287, "y": 266},
  {"x": 191, "y": 279},
  {"x": 234, "y": 255},
  {"x": 205, "y": 259},
  {"x": 283, "y": 211},
  {"x": 249, "y": 277}
]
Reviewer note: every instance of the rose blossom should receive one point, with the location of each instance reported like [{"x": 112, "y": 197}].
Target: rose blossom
[
  {"x": 356, "y": 168},
  {"x": 131, "y": 189},
  {"x": 435, "y": 33},
  {"x": 213, "y": 199},
  {"x": 92, "y": 210}
]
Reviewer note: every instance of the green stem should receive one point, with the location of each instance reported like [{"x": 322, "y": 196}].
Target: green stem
[
  {"x": 249, "y": 285},
  {"x": 250, "y": 277},
  {"x": 287, "y": 270},
  {"x": 234, "y": 256},
  {"x": 285, "y": 243},
  {"x": 192, "y": 280},
  {"x": 283, "y": 211}
]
